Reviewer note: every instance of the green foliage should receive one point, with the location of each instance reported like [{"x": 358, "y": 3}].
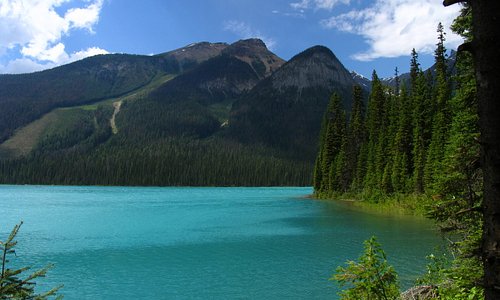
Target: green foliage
[
  {"x": 202, "y": 126},
  {"x": 12, "y": 285},
  {"x": 158, "y": 143},
  {"x": 422, "y": 143},
  {"x": 436, "y": 269},
  {"x": 400, "y": 147},
  {"x": 167, "y": 161},
  {"x": 26, "y": 97},
  {"x": 369, "y": 278},
  {"x": 458, "y": 184},
  {"x": 449, "y": 277}
]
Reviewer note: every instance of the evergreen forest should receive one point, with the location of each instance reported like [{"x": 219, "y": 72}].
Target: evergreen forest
[{"x": 415, "y": 140}]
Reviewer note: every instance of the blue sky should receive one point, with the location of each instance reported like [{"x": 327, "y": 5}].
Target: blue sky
[{"x": 364, "y": 34}]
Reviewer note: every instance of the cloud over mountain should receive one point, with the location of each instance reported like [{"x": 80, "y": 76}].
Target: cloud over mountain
[
  {"x": 391, "y": 28},
  {"x": 245, "y": 31},
  {"x": 32, "y": 32}
]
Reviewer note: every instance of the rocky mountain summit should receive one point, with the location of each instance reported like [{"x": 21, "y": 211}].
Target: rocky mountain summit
[{"x": 316, "y": 66}]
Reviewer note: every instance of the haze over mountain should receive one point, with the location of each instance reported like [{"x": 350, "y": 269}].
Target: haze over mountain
[{"x": 205, "y": 114}]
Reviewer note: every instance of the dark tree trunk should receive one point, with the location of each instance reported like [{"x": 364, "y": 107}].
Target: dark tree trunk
[
  {"x": 486, "y": 53},
  {"x": 485, "y": 49}
]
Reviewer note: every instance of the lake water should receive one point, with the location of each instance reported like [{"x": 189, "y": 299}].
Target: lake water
[{"x": 201, "y": 243}]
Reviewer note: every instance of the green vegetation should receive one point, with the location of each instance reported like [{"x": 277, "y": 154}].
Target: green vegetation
[
  {"x": 419, "y": 142},
  {"x": 369, "y": 278},
  {"x": 27, "y": 97},
  {"x": 12, "y": 285},
  {"x": 193, "y": 128}
]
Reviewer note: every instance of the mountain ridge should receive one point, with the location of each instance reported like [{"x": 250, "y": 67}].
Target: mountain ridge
[{"x": 237, "y": 112}]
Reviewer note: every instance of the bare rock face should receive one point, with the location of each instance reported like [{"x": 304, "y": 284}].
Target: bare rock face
[
  {"x": 317, "y": 66},
  {"x": 255, "y": 53},
  {"x": 237, "y": 68},
  {"x": 192, "y": 55},
  {"x": 285, "y": 110}
]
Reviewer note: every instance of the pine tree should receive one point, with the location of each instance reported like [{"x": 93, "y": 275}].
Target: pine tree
[
  {"x": 422, "y": 120},
  {"x": 333, "y": 137},
  {"x": 414, "y": 71},
  {"x": 356, "y": 138},
  {"x": 11, "y": 285},
  {"x": 397, "y": 83},
  {"x": 376, "y": 121},
  {"x": 458, "y": 185},
  {"x": 402, "y": 147},
  {"x": 371, "y": 277},
  {"x": 441, "y": 118}
]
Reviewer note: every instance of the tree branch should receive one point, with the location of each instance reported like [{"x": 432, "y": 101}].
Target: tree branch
[
  {"x": 466, "y": 47},
  {"x": 451, "y": 2}
]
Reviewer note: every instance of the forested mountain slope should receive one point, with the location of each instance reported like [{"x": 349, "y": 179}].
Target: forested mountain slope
[
  {"x": 285, "y": 110},
  {"x": 206, "y": 114},
  {"x": 26, "y": 97}
]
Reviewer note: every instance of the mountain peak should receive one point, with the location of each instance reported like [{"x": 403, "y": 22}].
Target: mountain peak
[
  {"x": 255, "y": 53},
  {"x": 316, "y": 66},
  {"x": 249, "y": 47},
  {"x": 252, "y": 42},
  {"x": 315, "y": 50},
  {"x": 197, "y": 48},
  {"x": 193, "y": 54}
]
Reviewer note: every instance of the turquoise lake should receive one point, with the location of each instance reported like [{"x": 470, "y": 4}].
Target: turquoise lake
[{"x": 200, "y": 243}]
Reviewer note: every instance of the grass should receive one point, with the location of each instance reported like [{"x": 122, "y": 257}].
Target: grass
[
  {"x": 93, "y": 106},
  {"x": 221, "y": 110},
  {"x": 65, "y": 118},
  {"x": 132, "y": 96},
  {"x": 26, "y": 138},
  {"x": 397, "y": 204}
]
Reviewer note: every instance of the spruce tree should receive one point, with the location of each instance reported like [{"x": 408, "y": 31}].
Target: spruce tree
[
  {"x": 458, "y": 186},
  {"x": 422, "y": 116},
  {"x": 12, "y": 286},
  {"x": 376, "y": 121},
  {"x": 333, "y": 137},
  {"x": 441, "y": 118},
  {"x": 356, "y": 138},
  {"x": 414, "y": 71},
  {"x": 402, "y": 147}
]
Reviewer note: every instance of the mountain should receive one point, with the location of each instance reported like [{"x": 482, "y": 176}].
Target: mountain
[
  {"x": 238, "y": 68},
  {"x": 405, "y": 77},
  {"x": 204, "y": 114},
  {"x": 190, "y": 56},
  {"x": 285, "y": 110},
  {"x": 27, "y": 97},
  {"x": 197, "y": 102},
  {"x": 362, "y": 81}
]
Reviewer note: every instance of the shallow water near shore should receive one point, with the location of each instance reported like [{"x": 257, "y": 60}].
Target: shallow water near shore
[{"x": 185, "y": 243}]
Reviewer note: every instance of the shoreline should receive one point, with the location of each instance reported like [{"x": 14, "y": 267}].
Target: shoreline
[{"x": 398, "y": 205}]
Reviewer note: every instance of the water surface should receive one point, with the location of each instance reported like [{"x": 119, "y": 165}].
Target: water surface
[{"x": 185, "y": 243}]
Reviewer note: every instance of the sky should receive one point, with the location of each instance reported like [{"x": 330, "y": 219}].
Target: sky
[{"x": 365, "y": 35}]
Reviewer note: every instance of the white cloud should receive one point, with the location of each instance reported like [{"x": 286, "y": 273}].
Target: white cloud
[
  {"x": 393, "y": 27},
  {"x": 87, "y": 53},
  {"x": 295, "y": 14},
  {"x": 24, "y": 65},
  {"x": 317, "y": 4},
  {"x": 84, "y": 17},
  {"x": 245, "y": 31},
  {"x": 304, "y": 4},
  {"x": 33, "y": 30},
  {"x": 27, "y": 65}
]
